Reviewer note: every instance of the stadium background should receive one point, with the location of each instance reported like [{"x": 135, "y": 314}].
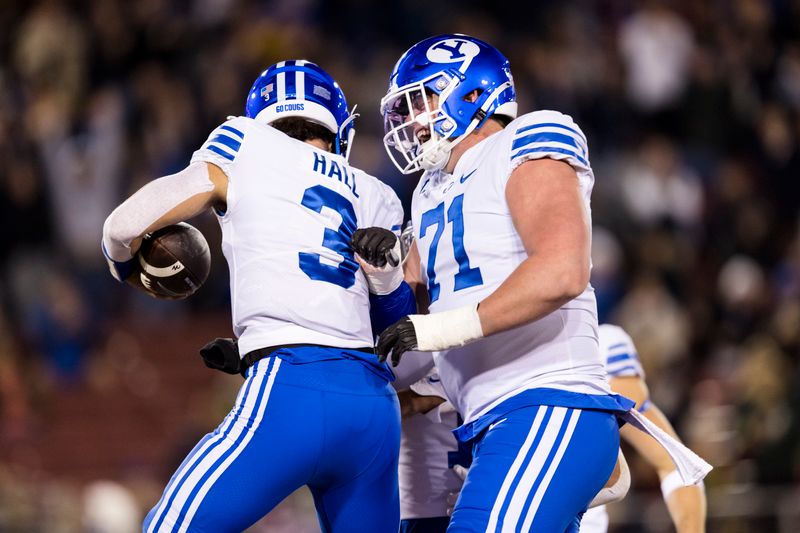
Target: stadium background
[{"x": 692, "y": 111}]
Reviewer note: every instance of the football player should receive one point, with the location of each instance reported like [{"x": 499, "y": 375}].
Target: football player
[
  {"x": 427, "y": 447},
  {"x": 502, "y": 227},
  {"x": 316, "y": 407},
  {"x": 686, "y": 504},
  {"x": 427, "y": 482}
]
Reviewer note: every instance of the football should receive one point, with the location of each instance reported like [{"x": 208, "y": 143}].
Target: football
[{"x": 173, "y": 261}]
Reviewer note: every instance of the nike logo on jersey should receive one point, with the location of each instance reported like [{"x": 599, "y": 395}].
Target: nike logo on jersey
[
  {"x": 465, "y": 177},
  {"x": 494, "y": 425},
  {"x": 422, "y": 189}
]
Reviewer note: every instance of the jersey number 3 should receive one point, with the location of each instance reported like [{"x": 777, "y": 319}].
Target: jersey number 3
[
  {"x": 467, "y": 276},
  {"x": 338, "y": 240}
]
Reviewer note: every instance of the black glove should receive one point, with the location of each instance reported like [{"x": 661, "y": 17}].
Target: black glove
[
  {"x": 398, "y": 338},
  {"x": 375, "y": 246},
  {"x": 222, "y": 354}
]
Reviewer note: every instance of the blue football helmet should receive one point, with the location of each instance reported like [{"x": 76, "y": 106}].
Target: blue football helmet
[
  {"x": 300, "y": 88},
  {"x": 451, "y": 67}
]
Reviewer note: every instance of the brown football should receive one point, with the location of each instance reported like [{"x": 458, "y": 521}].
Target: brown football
[{"x": 174, "y": 261}]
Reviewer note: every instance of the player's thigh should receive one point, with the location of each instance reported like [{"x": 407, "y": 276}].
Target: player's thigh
[
  {"x": 425, "y": 525},
  {"x": 265, "y": 449},
  {"x": 582, "y": 472},
  {"x": 355, "y": 488},
  {"x": 529, "y": 456}
]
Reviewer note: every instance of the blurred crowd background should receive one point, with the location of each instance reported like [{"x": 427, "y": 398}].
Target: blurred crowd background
[{"x": 692, "y": 111}]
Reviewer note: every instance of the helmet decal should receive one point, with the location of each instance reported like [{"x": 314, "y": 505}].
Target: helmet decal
[
  {"x": 300, "y": 88},
  {"x": 441, "y": 90},
  {"x": 453, "y": 51}
]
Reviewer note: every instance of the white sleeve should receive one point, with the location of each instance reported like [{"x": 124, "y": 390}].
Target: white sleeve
[{"x": 132, "y": 218}]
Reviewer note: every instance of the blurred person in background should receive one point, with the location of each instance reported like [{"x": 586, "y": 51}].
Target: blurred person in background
[
  {"x": 16, "y": 415},
  {"x": 656, "y": 45}
]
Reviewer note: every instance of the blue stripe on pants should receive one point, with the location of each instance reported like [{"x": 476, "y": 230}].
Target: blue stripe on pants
[
  {"x": 570, "y": 462},
  {"x": 202, "y": 451},
  {"x": 331, "y": 424}
]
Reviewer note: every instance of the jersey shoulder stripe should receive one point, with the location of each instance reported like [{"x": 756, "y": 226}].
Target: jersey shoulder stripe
[
  {"x": 620, "y": 354},
  {"x": 544, "y": 134},
  {"x": 618, "y": 358},
  {"x": 225, "y": 141},
  {"x": 223, "y": 144},
  {"x": 556, "y": 125}
]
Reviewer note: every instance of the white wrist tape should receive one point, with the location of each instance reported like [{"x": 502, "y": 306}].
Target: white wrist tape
[
  {"x": 448, "y": 329},
  {"x": 619, "y": 489},
  {"x": 673, "y": 482},
  {"x": 130, "y": 220},
  {"x": 386, "y": 279}
]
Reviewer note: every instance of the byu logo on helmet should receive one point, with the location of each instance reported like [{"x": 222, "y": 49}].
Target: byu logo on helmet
[
  {"x": 441, "y": 90},
  {"x": 452, "y": 51}
]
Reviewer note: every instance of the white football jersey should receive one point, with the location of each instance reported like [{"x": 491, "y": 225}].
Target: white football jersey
[
  {"x": 619, "y": 352},
  {"x": 468, "y": 246},
  {"x": 424, "y": 476},
  {"x": 291, "y": 211}
]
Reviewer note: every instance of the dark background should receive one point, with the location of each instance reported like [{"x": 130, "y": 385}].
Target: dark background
[{"x": 691, "y": 110}]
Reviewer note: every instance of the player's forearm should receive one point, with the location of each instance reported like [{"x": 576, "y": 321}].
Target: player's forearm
[
  {"x": 387, "y": 309},
  {"x": 411, "y": 272},
  {"x": 412, "y": 403},
  {"x": 539, "y": 286},
  {"x": 161, "y": 202},
  {"x": 687, "y": 507},
  {"x": 535, "y": 289}
]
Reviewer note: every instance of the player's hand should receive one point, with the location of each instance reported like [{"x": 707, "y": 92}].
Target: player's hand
[
  {"x": 222, "y": 354},
  {"x": 452, "y": 497},
  {"x": 378, "y": 252},
  {"x": 377, "y": 246},
  {"x": 396, "y": 340}
]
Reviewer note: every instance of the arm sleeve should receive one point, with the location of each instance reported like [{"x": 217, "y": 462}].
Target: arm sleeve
[
  {"x": 131, "y": 218},
  {"x": 385, "y": 310}
]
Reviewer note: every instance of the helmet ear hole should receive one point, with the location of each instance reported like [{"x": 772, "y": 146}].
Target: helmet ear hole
[{"x": 473, "y": 96}]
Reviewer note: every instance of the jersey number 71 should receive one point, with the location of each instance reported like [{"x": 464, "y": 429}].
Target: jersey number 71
[{"x": 467, "y": 276}]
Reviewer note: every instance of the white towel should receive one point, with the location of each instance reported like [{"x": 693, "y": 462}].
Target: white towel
[{"x": 691, "y": 467}]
